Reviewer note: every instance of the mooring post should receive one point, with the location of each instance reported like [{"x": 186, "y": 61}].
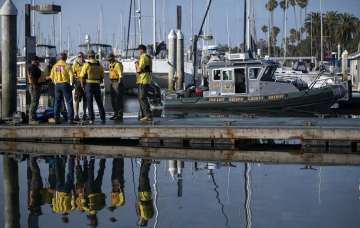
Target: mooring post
[
  {"x": 11, "y": 193},
  {"x": 344, "y": 65},
  {"x": 172, "y": 59},
  {"x": 8, "y": 13},
  {"x": 180, "y": 60}
]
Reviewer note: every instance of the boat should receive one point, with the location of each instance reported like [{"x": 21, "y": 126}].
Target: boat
[{"x": 249, "y": 86}]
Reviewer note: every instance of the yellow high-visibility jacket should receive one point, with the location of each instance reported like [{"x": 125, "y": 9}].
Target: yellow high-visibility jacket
[
  {"x": 143, "y": 76},
  {"x": 63, "y": 202},
  {"x": 76, "y": 68},
  {"x": 92, "y": 71},
  {"x": 115, "y": 70},
  {"x": 61, "y": 72}
]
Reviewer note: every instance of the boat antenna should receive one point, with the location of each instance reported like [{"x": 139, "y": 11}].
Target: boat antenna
[
  {"x": 128, "y": 31},
  {"x": 195, "y": 40}
]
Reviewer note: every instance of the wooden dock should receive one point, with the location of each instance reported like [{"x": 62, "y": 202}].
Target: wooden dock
[{"x": 339, "y": 129}]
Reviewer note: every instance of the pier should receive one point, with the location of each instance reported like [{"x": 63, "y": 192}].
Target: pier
[{"x": 327, "y": 129}]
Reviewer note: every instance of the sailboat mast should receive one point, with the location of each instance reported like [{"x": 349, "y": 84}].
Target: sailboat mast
[
  {"x": 322, "y": 32},
  {"x": 140, "y": 22},
  {"x": 245, "y": 25},
  {"x": 154, "y": 26}
]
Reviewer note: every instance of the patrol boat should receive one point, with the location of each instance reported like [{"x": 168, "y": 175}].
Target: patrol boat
[{"x": 246, "y": 86}]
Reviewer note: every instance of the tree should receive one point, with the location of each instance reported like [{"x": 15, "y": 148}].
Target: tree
[
  {"x": 284, "y": 5},
  {"x": 303, "y": 5},
  {"x": 293, "y": 3},
  {"x": 274, "y": 34},
  {"x": 347, "y": 29},
  {"x": 271, "y": 5},
  {"x": 265, "y": 30}
]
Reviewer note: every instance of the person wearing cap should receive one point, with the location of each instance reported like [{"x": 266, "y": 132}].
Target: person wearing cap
[
  {"x": 34, "y": 74},
  {"x": 117, "y": 88},
  {"x": 144, "y": 205},
  {"x": 79, "y": 91},
  {"x": 61, "y": 74},
  {"x": 143, "y": 80},
  {"x": 92, "y": 74}
]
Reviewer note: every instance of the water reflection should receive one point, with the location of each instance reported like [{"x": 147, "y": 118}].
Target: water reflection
[{"x": 86, "y": 191}]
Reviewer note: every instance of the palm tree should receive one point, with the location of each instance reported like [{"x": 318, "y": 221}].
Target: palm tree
[
  {"x": 284, "y": 5},
  {"x": 347, "y": 29},
  {"x": 274, "y": 33},
  {"x": 271, "y": 5},
  {"x": 303, "y": 5},
  {"x": 293, "y": 3},
  {"x": 265, "y": 30}
]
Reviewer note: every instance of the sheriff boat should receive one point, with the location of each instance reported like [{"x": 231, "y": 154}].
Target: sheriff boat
[{"x": 238, "y": 85}]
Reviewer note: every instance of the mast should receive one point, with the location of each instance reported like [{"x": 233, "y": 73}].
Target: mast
[
  {"x": 245, "y": 25},
  {"x": 140, "y": 23},
  {"x": 192, "y": 16},
  {"x": 128, "y": 30},
  {"x": 322, "y": 33},
  {"x": 228, "y": 32},
  {"x": 33, "y": 32},
  {"x": 154, "y": 26}
]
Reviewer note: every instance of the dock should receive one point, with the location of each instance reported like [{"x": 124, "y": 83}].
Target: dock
[{"x": 303, "y": 129}]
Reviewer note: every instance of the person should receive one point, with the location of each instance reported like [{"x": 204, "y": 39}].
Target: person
[
  {"x": 144, "y": 205},
  {"x": 117, "y": 182},
  {"x": 79, "y": 91},
  {"x": 117, "y": 88},
  {"x": 143, "y": 80},
  {"x": 81, "y": 178},
  {"x": 50, "y": 84},
  {"x": 92, "y": 74},
  {"x": 34, "y": 74},
  {"x": 60, "y": 75},
  {"x": 63, "y": 201}
]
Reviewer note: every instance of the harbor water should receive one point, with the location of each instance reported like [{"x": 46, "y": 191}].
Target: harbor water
[{"x": 188, "y": 193}]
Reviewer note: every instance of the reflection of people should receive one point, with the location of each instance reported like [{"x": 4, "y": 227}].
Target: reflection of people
[
  {"x": 35, "y": 188},
  {"x": 143, "y": 80},
  {"x": 144, "y": 205},
  {"x": 81, "y": 178},
  {"x": 63, "y": 200},
  {"x": 117, "y": 182},
  {"x": 95, "y": 197}
]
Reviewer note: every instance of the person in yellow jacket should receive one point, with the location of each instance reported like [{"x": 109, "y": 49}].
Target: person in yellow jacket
[
  {"x": 117, "y": 182},
  {"x": 63, "y": 201},
  {"x": 117, "y": 88},
  {"x": 143, "y": 80},
  {"x": 81, "y": 173},
  {"x": 144, "y": 205},
  {"x": 79, "y": 94},
  {"x": 61, "y": 74},
  {"x": 92, "y": 74}
]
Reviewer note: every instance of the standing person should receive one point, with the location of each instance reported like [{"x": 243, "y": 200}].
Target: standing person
[
  {"x": 51, "y": 86},
  {"x": 34, "y": 74},
  {"x": 144, "y": 205},
  {"x": 60, "y": 75},
  {"x": 117, "y": 88},
  {"x": 93, "y": 74},
  {"x": 79, "y": 91},
  {"x": 143, "y": 80}
]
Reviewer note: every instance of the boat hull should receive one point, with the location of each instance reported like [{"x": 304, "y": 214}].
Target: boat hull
[{"x": 310, "y": 101}]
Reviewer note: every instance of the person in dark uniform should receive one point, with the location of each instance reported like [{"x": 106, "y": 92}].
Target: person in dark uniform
[
  {"x": 34, "y": 74},
  {"x": 117, "y": 182}
]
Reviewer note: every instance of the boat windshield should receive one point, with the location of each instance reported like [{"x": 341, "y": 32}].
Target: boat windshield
[{"x": 269, "y": 74}]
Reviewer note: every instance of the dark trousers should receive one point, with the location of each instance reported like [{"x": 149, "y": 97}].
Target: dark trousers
[
  {"x": 62, "y": 91},
  {"x": 117, "y": 175},
  {"x": 80, "y": 95},
  {"x": 117, "y": 97},
  {"x": 143, "y": 94},
  {"x": 35, "y": 97},
  {"x": 92, "y": 91},
  {"x": 144, "y": 182},
  {"x": 93, "y": 185},
  {"x": 62, "y": 184}
]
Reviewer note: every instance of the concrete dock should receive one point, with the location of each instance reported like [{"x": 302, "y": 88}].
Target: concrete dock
[{"x": 339, "y": 129}]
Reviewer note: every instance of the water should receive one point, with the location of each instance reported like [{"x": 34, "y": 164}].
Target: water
[{"x": 204, "y": 194}]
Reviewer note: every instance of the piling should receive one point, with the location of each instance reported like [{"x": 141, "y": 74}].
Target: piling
[
  {"x": 8, "y": 13},
  {"x": 172, "y": 168},
  {"x": 172, "y": 59},
  {"x": 179, "y": 60},
  {"x": 11, "y": 193},
  {"x": 344, "y": 65}
]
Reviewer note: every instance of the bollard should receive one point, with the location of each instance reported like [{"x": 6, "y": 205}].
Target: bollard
[
  {"x": 179, "y": 60},
  {"x": 11, "y": 193},
  {"x": 172, "y": 59},
  {"x": 172, "y": 168},
  {"x": 344, "y": 65},
  {"x": 8, "y": 13}
]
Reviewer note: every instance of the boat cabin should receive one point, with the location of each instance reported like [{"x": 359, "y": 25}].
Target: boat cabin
[{"x": 244, "y": 78}]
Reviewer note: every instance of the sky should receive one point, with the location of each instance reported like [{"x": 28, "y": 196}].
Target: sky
[{"x": 82, "y": 17}]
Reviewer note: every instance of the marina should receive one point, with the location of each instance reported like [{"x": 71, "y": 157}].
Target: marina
[{"x": 205, "y": 113}]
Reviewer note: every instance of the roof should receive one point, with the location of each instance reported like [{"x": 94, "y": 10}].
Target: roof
[{"x": 354, "y": 56}]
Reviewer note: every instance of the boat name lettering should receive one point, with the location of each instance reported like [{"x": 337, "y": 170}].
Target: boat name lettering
[
  {"x": 217, "y": 99},
  {"x": 276, "y": 97},
  {"x": 257, "y": 98},
  {"x": 236, "y": 99}
]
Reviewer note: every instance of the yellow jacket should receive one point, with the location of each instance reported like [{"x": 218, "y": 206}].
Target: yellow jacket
[
  {"x": 76, "y": 68},
  {"x": 95, "y": 202},
  {"x": 61, "y": 72},
  {"x": 145, "y": 206},
  {"x": 117, "y": 199},
  {"x": 92, "y": 71},
  {"x": 115, "y": 70},
  {"x": 144, "y": 70},
  {"x": 63, "y": 202}
]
